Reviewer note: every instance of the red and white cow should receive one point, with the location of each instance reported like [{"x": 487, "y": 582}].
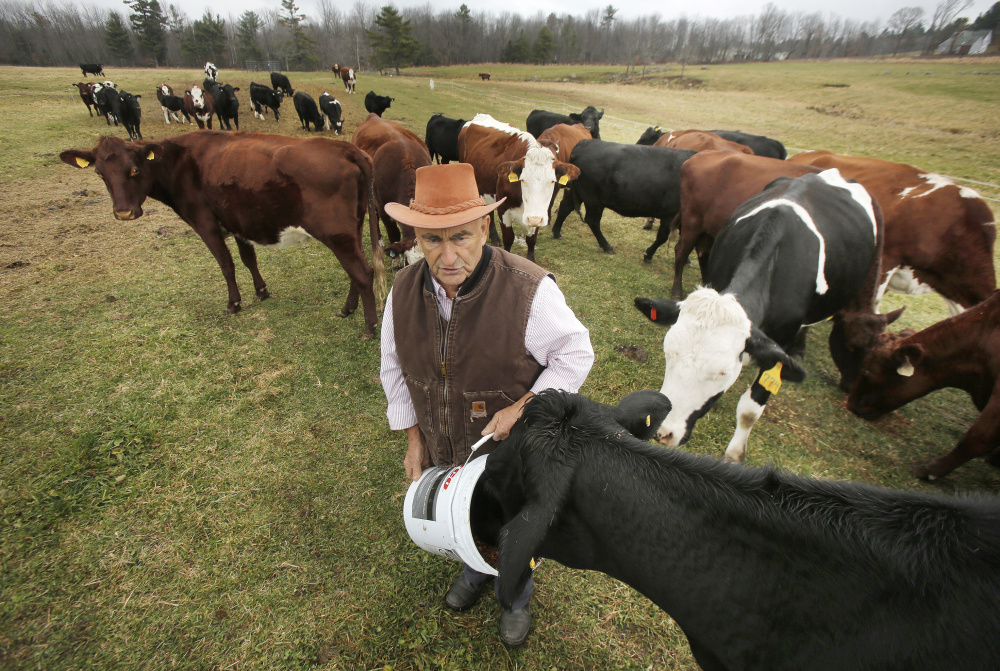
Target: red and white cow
[
  {"x": 200, "y": 106},
  {"x": 510, "y": 163}
]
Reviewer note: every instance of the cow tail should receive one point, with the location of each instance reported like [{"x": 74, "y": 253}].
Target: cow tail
[{"x": 378, "y": 258}]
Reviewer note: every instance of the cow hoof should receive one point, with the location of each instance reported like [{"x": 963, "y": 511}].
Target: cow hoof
[
  {"x": 647, "y": 259},
  {"x": 556, "y": 235},
  {"x": 344, "y": 312},
  {"x": 233, "y": 308},
  {"x": 923, "y": 472},
  {"x": 367, "y": 334},
  {"x": 648, "y": 226},
  {"x": 609, "y": 250}
]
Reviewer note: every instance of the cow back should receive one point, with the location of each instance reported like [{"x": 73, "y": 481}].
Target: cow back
[
  {"x": 486, "y": 148},
  {"x": 562, "y": 138},
  {"x": 375, "y": 131},
  {"x": 699, "y": 140}
]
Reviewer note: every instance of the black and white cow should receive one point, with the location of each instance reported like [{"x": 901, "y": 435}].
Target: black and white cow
[
  {"x": 332, "y": 113},
  {"x": 171, "y": 105},
  {"x": 633, "y": 180},
  {"x": 376, "y": 104},
  {"x": 540, "y": 120},
  {"x": 279, "y": 82},
  {"x": 211, "y": 71},
  {"x": 104, "y": 101},
  {"x": 442, "y": 137},
  {"x": 262, "y": 98},
  {"x": 307, "y": 110},
  {"x": 227, "y": 105},
  {"x": 126, "y": 107},
  {"x": 798, "y": 253}
]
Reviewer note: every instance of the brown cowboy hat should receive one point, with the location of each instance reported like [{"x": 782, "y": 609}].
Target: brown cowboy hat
[{"x": 444, "y": 196}]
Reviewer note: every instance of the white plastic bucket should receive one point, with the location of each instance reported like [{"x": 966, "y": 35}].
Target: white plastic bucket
[{"x": 436, "y": 511}]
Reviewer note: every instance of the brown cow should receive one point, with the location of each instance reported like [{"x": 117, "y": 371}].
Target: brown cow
[
  {"x": 87, "y": 95},
  {"x": 943, "y": 231},
  {"x": 396, "y": 154},
  {"x": 200, "y": 105},
  {"x": 700, "y": 140},
  {"x": 560, "y": 140},
  {"x": 961, "y": 352},
  {"x": 263, "y": 189},
  {"x": 511, "y": 164}
]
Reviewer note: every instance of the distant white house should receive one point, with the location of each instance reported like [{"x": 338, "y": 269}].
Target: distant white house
[{"x": 967, "y": 42}]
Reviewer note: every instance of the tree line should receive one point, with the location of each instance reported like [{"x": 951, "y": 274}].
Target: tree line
[{"x": 147, "y": 33}]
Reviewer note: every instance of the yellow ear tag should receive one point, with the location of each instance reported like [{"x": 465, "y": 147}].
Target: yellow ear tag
[
  {"x": 512, "y": 177},
  {"x": 564, "y": 180},
  {"x": 150, "y": 156},
  {"x": 771, "y": 379},
  {"x": 82, "y": 162},
  {"x": 532, "y": 564},
  {"x": 647, "y": 420}
]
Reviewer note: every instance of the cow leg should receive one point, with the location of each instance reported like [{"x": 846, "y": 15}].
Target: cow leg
[
  {"x": 662, "y": 235},
  {"x": 748, "y": 411},
  {"x": 648, "y": 226},
  {"x": 248, "y": 254},
  {"x": 981, "y": 439},
  {"x": 494, "y": 238},
  {"x": 565, "y": 207},
  {"x": 508, "y": 234},
  {"x": 348, "y": 251},
  {"x": 682, "y": 250},
  {"x": 530, "y": 240},
  {"x": 217, "y": 245},
  {"x": 166, "y": 115},
  {"x": 391, "y": 228},
  {"x": 593, "y": 220}
]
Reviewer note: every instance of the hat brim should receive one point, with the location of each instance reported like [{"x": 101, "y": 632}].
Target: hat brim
[{"x": 404, "y": 215}]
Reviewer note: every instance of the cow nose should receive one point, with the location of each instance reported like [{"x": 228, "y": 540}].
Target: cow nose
[
  {"x": 665, "y": 437},
  {"x": 125, "y": 215},
  {"x": 534, "y": 221}
]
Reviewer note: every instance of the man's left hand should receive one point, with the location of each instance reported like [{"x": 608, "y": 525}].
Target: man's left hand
[{"x": 504, "y": 420}]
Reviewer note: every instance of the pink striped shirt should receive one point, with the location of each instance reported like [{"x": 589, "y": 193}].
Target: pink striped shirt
[{"x": 554, "y": 337}]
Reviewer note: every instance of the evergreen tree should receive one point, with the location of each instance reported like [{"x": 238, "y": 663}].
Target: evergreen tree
[
  {"x": 518, "y": 51},
  {"x": 206, "y": 40},
  {"x": 302, "y": 52},
  {"x": 246, "y": 36},
  {"x": 117, "y": 38},
  {"x": 393, "y": 43},
  {"x": 150, "y": 27},
  {"x": 989, "y": 20},
  {"x": 545, "y": 46}
]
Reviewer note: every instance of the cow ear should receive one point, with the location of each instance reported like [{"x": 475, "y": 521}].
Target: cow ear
[
  {"x": 575, "y": 117},
  {"x": 890, "y": 317},
  {"x": 566, "y": 172},
  {"x": 767, "y": 353},
  {"x": 137, "y": 96},
  {"x": 601, "y": 114},
  {"x": 151, "y": 152},
  {"x": 659, "y": 310},
  {"x": 77, "y": 158},
  {"x": 907, "y": 358},
  {"x": 511, "y": 170}
]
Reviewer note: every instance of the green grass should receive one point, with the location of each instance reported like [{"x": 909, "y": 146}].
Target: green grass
[{"x": 181, "y": 488}]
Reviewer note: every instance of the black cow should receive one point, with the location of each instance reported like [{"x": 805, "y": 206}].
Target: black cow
[
  {"x": 332, "y": 113},
  {"x": 762, "y": 570},
  {"x": 307, "y": 110},
  {"x": 227, "y": 105},
  {"x": 442, "y": 137},
  {"x": 262, "y": 98},
  {"x": 171, "y": 104},
  {"x": 126, "y": 107},
  {"x": 540, "y": 120},
  {"x": 280, "y": 83},
  {"x": 632, "y": 180},
  {"x": 104, "y": 101},
  {"x": 95, "y": 68},
  {"x": 760, "y": 144},
  {"x": 797, "y": 253},
  {"x": 376, "y": 104}
]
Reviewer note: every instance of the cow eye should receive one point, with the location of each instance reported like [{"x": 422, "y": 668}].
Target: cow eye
[{"x": 133, "y": 172}]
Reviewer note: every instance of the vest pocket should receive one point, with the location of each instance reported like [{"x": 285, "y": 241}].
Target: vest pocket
[
  {"x": 420, "y": 396},
  {"x": 478, "y": 408}
]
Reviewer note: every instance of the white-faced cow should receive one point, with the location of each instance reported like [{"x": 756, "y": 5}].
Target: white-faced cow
[
  {"x": 171, "y": 105},
  {"x": 540, "y": 120},
  {"x": 200, "y": 105},
  {"x": 942, "y": 231},
  {"x": 346, "y": 74},
  {"x": 262, "y": 189},
  {"x": 799, "y": 252},
  {"x": 332, "y": 113},
  {"x": 511, "y": 164},
  {"x": 211, "y": 71}
]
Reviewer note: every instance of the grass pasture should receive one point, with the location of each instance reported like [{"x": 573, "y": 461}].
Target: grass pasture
[{"x": 182, "y": 488}]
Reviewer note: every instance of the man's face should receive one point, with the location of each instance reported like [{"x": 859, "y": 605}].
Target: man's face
[{"x": 453, "y": 253}]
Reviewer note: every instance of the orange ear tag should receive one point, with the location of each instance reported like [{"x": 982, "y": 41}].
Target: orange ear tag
[{"x": 652, "y": 314}]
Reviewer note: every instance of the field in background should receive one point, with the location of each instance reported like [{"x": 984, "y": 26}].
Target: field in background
[{"x": 181, "y": 488}]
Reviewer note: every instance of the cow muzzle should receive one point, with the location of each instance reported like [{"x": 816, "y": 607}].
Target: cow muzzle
[
  {"x": 535, "y": 222},
  {"x": 127, "y": 215}
]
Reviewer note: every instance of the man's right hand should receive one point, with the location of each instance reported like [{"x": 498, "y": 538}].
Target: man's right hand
[{"x": 416, "y": 459}]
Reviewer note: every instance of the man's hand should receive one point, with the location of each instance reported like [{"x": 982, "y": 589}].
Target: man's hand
[
  {"x": 416, "y": 459},
  {"x": 504, "y": 420}
]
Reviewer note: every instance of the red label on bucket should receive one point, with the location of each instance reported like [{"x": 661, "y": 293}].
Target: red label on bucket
[{"x": 453, "y": 473}]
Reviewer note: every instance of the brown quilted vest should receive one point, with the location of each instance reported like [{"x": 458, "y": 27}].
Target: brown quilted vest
[{"x": 461, "y": 372}]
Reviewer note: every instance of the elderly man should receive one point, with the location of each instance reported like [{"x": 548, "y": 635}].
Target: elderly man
[{"x": 469, "y": 334}]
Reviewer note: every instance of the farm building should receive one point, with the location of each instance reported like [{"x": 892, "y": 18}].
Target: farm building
[{"x": 967, "y": 43}]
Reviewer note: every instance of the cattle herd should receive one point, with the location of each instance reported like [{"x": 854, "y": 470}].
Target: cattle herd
[{"x": 782, "y": 242}]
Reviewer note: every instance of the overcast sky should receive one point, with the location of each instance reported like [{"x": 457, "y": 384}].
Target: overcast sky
[{"x": 863, "y": 10}]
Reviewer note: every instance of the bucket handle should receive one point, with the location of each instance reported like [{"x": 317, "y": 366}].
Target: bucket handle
[{"x": 482, "y": 441}]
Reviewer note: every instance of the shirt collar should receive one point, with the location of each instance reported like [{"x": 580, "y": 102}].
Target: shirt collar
[{"x": 470, "y": 283}]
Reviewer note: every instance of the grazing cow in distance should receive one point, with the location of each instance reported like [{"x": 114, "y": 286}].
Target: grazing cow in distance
[
  {"x": 539, "y": 120},
  {"x": 511, "y": 164},
  {"x": 484, "y": 76},
  {"x": 171, "y": 104},
  {"x": 263, "y": 98},
  {"x": 87, "y": 95},
  {"x": 307, "y": 110},
  {"x": 95, "y": 69},
  {"x": 799, "y": 252},
  {"x": 200, "y": 105},
  {"x": 332, "y": 113},
  {"x": 279, "y": 82},
  {"x": 263, "y": 189},
  {"x": 942, "y": 231},
  {"x": 442, "y": 138},
  {"x": 227, "y": 105},
  {"x": 632, "y": 180},
  {"x": 959, "y": 352},
  {"x": 376, "y": 104},
  {"x": 762, "y": 570},
  {"x": 211, "y": 71}
]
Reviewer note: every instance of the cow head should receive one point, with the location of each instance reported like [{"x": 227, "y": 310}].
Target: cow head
[
  {"x": 852, "y": 336},
  {"x": 127, "y": 171},
  {"x": 536, "y": 176},
  {"x": 892, "y": 375},
  {"x": 704, "y": 351},
  {"x": 197, "y": 97},
  {"x": 650, "y": 136},
  {"x": 590, "y": 119}
]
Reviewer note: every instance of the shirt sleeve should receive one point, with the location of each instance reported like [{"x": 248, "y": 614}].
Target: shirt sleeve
[
  {"x": 400, "y": 411},
  {"x": 557, "y": 340}
]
